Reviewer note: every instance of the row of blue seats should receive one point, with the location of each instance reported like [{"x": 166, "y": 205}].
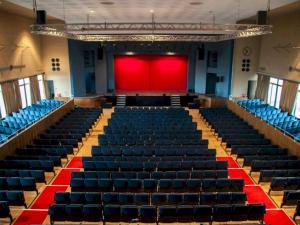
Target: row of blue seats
[
  {"x": 17, "y": 121},
  {"x": 281, "y": 120},
  {"x": 152, "y": 214},
  {"x": 18, "y": 183},
  {"x": 153, "y": 185},
  {"x": 180, "y": 174},
  {"x": 258, "y": 165},
  {"x": 267, "y": 175},
  {"x": 13, "y": 198},
  {"x": 45, "y": 165},
  {"x": 38, "y": 175},
  {"x": 149, "y": 158},
  {"x": 154, "y": 151},
  {"x": 5, "y": 211},
  {"x": 290, "y": 197},
  {"x": 204, "y": 198},
  {"x": 153, "y": 166},
  {"x": 284, "y": 183}
]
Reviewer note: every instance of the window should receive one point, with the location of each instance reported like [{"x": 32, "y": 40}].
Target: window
[
  {"x": 25, "y": 92},
  {"x": 41, "y": 86},
  {"x": 296, "y": 112},
  {"x": 2, "y": 105},
  {"x": 275, "y": 92}
]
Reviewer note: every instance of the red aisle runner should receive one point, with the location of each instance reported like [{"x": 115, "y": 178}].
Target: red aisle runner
[
  {"x": 231, "y": 162},
  {"x": 240, "y": 173},
  {"x": 277, "y": 217},
  {"x": 64, "y": 177},
  {"x": 29, "y": 217},
  {"x": 76, "y": 162},
  {"x": 46, "y": 198}
]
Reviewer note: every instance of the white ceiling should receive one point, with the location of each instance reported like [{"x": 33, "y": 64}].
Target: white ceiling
[{"x": 225, "y": 11}]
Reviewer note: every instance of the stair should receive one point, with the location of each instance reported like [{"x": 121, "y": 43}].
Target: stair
[
  {"x": 121, "y": 100},
  {"x": 175, "y": 101}
]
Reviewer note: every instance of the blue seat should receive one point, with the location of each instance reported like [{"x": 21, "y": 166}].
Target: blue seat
[
  {"x": 159, "y": 198},
  {"x": 77, "y": 198},
  {"x": 112, "y": 213},
  {"x": 74, "y": 212},
  {"x": 5, "y": 211},
  {"x": 110, "y": 198},
  {"x": 129, "y": 213},
  {"x": 142, "y": 199},
  {"x": 185, "y": 213},
  {"x": 148, "y": 214},
  {"x": 126, "y": 198},
  {"x": 167, "y": 214},
  {"x": 62, "y": 197},
  {"x": 93, "y": 198},
  {"x": 92, "y": 212},
  {"x": 57, "y": 212}
]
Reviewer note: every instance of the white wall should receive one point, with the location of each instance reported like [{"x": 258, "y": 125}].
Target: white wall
[{"x": 55, "y": 47}]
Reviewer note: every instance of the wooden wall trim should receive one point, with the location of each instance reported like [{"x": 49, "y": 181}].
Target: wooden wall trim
[
  {"x": 26, "y": 136},
  {"x": 270, "y": 132}
]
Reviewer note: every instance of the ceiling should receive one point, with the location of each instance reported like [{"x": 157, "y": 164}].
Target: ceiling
[{"x": 224, "y": 11}]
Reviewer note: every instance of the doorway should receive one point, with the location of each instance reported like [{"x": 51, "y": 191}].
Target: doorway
[{"x": 211, "y": 82}]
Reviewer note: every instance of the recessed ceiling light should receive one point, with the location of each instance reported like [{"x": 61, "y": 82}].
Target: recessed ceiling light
[
  {"x": 151, "y": 11},
  {"x": 92, "y": 11},
  {"x": 107, "y": 3},
  {"x": 196, "y": 3}
]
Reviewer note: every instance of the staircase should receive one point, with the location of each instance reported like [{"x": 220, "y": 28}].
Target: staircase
[
  {"x": 175, "y": 101},
  {"x": 121, "y": 100}
]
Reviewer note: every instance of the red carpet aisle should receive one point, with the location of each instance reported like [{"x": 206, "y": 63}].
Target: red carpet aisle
[
  {"x": 277, "y": 217},
  {"x": 76, "y": 162},
  {"x": 64, "y": 177},
  {"x": 29, "y": 217},
  {"x": 255, "y": 194},
  {"x": 39, "y": 210},
  {"x": 231, "y": 162}
]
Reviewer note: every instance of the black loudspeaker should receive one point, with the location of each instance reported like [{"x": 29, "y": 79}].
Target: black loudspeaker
[
  {"x": 100, "y": 52},
  {"x": 262, "y": 17},
  {"x": 41, "y": 17},
  {"x": 201, "y": 53}
]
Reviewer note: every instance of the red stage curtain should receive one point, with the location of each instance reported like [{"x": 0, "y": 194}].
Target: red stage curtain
[{"x": 150, "y": 73}]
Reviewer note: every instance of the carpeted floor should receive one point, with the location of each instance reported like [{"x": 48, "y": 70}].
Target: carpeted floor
[
  {"x": 240, "y": 173},
  {"x": 76, "y": 162},
  {"x": 64, "y": 177},
  {"x": 47, "y": 197},
  {"x": 29, "y": 217},
  {"x": 231, "y": 162}
]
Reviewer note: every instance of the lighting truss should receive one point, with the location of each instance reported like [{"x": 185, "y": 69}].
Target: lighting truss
[{"x": 203, "y": 32}]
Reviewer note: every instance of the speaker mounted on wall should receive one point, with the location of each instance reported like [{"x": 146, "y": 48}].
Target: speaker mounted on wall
[
  {"x": 100, "y": 52},
  {"x": 55, "y": 63},
  {"x": 201, "y": 52},
  {"x": 41, "y": 17},
  {"x": 262, "y": 18}
]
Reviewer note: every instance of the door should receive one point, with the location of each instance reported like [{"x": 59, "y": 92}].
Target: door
[{"x": 211, "y": 82}]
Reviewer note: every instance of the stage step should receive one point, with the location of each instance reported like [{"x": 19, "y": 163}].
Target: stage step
[
  {"x": 175, "y": 101},
  {"x": 121, "y": 100}
]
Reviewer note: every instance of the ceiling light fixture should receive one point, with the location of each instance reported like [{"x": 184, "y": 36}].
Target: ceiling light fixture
[
  {"x": 196, "y": 3},
  {"x": 151, "y": 11},
  {"x": 152, "y": 31},
  {"x": 92, "y": 11},
  {"x": 107, "y": 3}
]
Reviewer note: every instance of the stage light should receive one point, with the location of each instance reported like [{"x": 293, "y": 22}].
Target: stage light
[
  {"x": 170, "y": 53},
  {"x": 129, "y": 53}
]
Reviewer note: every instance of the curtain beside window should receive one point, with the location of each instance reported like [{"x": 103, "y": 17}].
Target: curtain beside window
[
  {"x": 288, "y": 96},
  {"x": 17, "y": 94},
  {"x": 10, "y": 98},
  {"x": 35, "y": 89},
  {"x": 46, "y": 89},
  {"x": 262, "y": 87}
]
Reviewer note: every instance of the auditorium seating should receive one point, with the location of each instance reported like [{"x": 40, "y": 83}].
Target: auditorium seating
[
  {"x": 284, "y": 183},
  {"x": 5, "y": 211},
  {"x": 18, "y": 183},
  {"x": 153, "y": 214},
  {"x": 153, "y": 185},
  {"x": 267, "y": 175},
  {"x": 17, "y": 121},
  {"x": 152, "y": 166},
  {"x": 290, "y": 197},
  {"x": 14, "y": 198},
  {"x": 180, "y": 174},
  {"x": 286, "y": 123},
  {"x": 273, "y": 162}
]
